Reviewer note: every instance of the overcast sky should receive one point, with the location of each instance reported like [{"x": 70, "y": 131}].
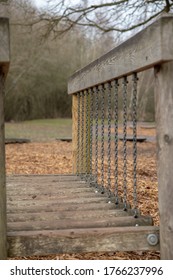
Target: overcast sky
[{"x": 40, "y": 3}]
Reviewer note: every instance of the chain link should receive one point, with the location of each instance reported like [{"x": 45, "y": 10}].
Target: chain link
[
  {"x": 116, "y": 138},
  {"x": 125, "y": 141},
  {"x": 87, "y": 136},
  {"x": 134, "y": 114},
  {"x": 82, "y": 138},
  {"x": 91, "y": 132},
  {"x": 78, "y": 134},
  {"x": 109, "y": 139},
  {"x": 102, "y": 136},
  {"x": 96, "y": 134}
]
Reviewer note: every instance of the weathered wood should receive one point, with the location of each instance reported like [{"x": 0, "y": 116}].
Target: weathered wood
[
  {"x": 80, "y": 240},
  {"x": 4, "y": 65},
  {"x": 42, "y": 178},
  {"x": 74, "y": 131},
  {"x": 43, "y": 191},
  {"x": 54, "y": 196},
  {"x": 47, "y": 202},
  {"x": 51, "y": 224},
  {"x": 18, "y": 208},
  {"x": 150, "y": 47},
  {"x": 86, "y": 164},
  {"x": 164, "y": 130},
  {"x": 3, "y": 249},
  {"x": 44, "y": 216}
]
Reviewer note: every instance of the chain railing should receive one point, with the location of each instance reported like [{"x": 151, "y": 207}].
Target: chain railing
[
  {"x": 111, "y": 81},
  {"x": 98, "y": 139}
]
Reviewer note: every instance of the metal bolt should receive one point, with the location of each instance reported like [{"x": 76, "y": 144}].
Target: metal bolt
[{"x": 152, "y": 239}]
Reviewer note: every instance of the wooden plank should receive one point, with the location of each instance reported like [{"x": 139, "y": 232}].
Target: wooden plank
[
  {"x": 52, "y": 224},
  {"x": 86, "y": 163},
  {"x": 44, "y": 191},
  {"x": 53, "y": 196},
  {"x": 54, "y": 187},
  {"x": 43, "y": 178},
  {"x": 83, "y": 214},
  {"x": 56, "y": 201},
  {"x": 150, "y": 47},
  {"x": 60, "y": 207},
  {"x": 164, "y": 129},
  {"x": 3, "y": 249},
  {"x": 80, "y": 240},
  {"x": 47, "y": 185}
]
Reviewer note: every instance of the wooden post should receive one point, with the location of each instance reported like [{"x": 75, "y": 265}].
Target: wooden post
[
  {"x": 164, "y": 125},
  {"x": 3, "y": 249},
  {"x": 74, "y": 130},
  {"x": 75, "y": 133},
  {"x": 4, "y": 65}
]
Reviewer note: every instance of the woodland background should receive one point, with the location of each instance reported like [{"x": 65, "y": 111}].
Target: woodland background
[{"x": 43, "y": 60}]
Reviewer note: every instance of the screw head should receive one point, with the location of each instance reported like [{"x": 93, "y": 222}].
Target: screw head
[{"x": 152, "y": 239}]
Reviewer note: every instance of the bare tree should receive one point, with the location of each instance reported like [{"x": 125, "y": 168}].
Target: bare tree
[{"x": 104, "y": 15}]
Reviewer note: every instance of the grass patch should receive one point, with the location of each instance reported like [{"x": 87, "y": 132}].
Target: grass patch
[{"x": 39, "y": 130}]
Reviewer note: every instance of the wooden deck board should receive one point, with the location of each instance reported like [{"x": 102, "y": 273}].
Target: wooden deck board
[
  {"x": 80, "y": 240},
  {"x": 91, "y": 222},
  {"x": 82, "y": 215}
]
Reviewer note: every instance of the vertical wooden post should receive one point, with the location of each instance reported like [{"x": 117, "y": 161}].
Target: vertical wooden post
[
  {"x": 74, "y": 130},
  {"x": 75, "y": 133},
  {"x": 4, "y": 65},
  {"x": 164, "y": 126},
  {"x": 3, "y": 248}
]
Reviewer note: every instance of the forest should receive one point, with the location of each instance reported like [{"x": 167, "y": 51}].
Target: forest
[
  {"x": 43, "y": 59},
  {"x": 39, "y": 69}
]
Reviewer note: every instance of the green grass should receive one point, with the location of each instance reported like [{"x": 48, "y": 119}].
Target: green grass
[{"x": 40, "y": 130}]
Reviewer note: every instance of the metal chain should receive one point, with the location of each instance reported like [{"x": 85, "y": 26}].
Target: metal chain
[
  {"x": 91, "y": 133},
  {"x": 134, "y": 114},
  {"x": 82, "y": 138},
  {"x": 87, "y": 136},
  {"x": 102, "y": 136},
  {"x": 116, "y": 139},
  {"x": 125, "y": 141},
  {"x": 96, "y": 134},
  {"x": 78, "y": 134},
  {"x": 109, "y": 139}
]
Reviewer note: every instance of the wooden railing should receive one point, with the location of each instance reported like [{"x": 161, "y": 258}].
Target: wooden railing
[
  {"x": 151, "y": 48},
  {"x": 4, "y": 64}
]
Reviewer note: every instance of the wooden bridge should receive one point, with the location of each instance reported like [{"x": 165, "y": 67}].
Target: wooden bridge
[
  {"x": 58, "y": 214},
  {"x": 82, "y": 212}
]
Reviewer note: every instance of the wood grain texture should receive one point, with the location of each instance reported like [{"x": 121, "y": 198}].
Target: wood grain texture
[
  {"x": 150, "y": 47},
  {"x": 90, "y": 222},
  {"x": 54, "y": 220},
  {"x": 74, "y": 131},
  {"x": 82, "y": 215},
  {"x": 3, "y": 249},
  {"x": 164, "y": 128},
  {"x": 86, "y": 155},
  {"x": 80, "y": 240}
]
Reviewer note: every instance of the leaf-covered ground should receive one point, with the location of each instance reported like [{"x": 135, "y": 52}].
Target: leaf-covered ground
[{"x": 55, "y": 157}]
